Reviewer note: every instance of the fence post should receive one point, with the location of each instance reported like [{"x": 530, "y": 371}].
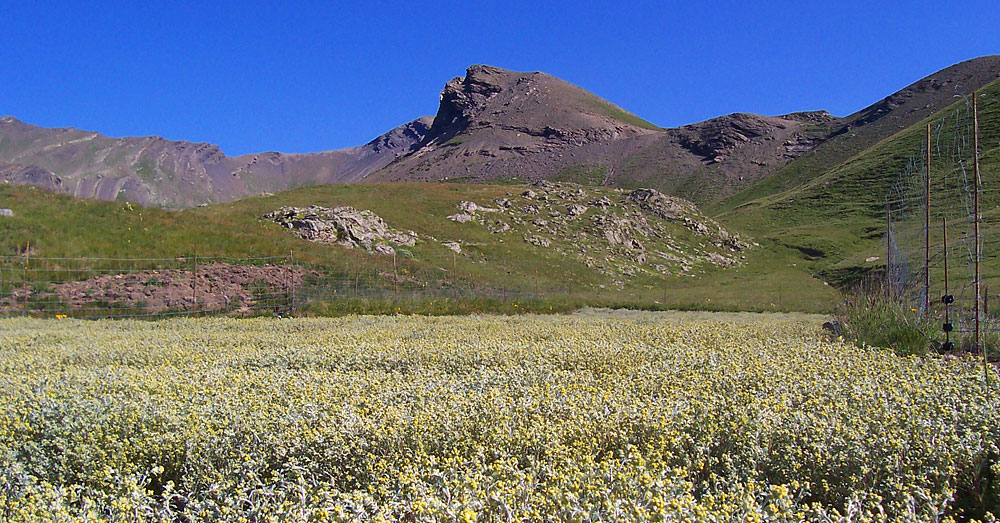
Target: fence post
[
  {"x": 357, "y": 272},
  {"x": 888, "y": 247},
  {"x": 395, "y": 279},
  {"x": 947, "y": 303},
  {"x": 27, "y": 281},
  {"x": 977, "y": 219},
  {"x": 291, "y": 276},
  {"x": 927, "y": 228},
  {"x": 194, "y": 283}
]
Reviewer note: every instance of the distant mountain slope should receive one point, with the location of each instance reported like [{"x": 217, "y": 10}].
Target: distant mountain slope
[
  {"x": 154, "y": 171},
  {"x": 835, "y": 216},
  {"x": 495, "y": 124},
  {"x": 878, "y": 122}
]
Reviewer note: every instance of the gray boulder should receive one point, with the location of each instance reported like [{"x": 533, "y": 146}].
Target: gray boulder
[{"x": 345, "y": 226}]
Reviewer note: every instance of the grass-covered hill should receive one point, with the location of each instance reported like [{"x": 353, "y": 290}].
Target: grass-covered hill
[
  {"x": 835, "y": 214},
  {"x": 813, "y": 216},
  {"x": 565, "y": 241}
]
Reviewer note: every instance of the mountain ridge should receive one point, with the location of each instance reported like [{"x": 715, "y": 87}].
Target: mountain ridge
[
  {"x": 493, "y": 125},
  {"x": 151, "y": 170}
]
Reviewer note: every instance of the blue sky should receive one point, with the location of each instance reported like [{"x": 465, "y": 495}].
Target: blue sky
[{"x": 310, "y": 76}]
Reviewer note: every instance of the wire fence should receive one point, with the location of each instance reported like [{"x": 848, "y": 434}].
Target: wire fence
[
  {"x": 941, "y": 246},
  {"x": 129, "y": 287},
  {"x": 200, "y": 285}
]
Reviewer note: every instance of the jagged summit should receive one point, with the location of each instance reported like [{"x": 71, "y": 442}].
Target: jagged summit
[
  {"x": 402, "y": 138},
  {"x": 510, "y": 104}
]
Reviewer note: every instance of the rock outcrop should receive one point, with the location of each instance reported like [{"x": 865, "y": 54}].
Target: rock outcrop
[
  {"x": 621, "y": 234},
  {"x": 344, "y": 226},
  {"x": 30, "y": 175}
]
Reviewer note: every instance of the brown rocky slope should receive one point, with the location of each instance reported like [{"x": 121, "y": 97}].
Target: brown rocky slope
[
  {"x": 497, "y": 124},
  {"x": 154, "y": 171}
]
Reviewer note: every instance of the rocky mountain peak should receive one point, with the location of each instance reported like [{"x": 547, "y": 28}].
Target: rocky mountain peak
[
  {"x": 484, "y": 79},
  {"x": 463, "y": 98},
  {"x": 497, "y": 110}
]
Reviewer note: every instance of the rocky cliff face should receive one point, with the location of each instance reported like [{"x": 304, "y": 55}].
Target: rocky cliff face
[
  {"x": 30, "y": 175},
  {"x": 717, "y": 139}
]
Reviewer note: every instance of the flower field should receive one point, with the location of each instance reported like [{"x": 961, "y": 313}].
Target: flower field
[{"x": 641, "y": 416}]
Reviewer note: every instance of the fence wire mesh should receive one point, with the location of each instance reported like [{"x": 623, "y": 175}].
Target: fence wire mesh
[
  {"x": 951, "y": 197},
  {"x": 200, "y": 285},
  {"x": 129, "y": 287}
]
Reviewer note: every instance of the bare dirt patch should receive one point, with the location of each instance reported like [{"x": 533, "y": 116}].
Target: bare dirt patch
[{"x": 215, "y": 286}]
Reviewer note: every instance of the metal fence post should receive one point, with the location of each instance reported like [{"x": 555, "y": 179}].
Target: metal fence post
[
  {"x": 291, "y": 277},
  {"x": 194, "y": 283}
]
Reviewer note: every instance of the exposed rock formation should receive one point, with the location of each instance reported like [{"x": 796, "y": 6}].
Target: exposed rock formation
[
  {"x": 30, "y": 175},
  {"x": 629, "y": 234},
  {"x": 345, "y": 226}
]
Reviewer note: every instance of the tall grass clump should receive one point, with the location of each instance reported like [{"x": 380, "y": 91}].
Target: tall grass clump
[{"x": 878, "y": 316}]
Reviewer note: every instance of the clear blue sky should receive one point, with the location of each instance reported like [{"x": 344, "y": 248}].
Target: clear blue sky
[{"x": 310, "y": 76}]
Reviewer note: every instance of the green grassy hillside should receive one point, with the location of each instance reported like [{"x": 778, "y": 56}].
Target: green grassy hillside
[
  {"x": 835, "y": 215},
  {"x": 770, "y": 278}
]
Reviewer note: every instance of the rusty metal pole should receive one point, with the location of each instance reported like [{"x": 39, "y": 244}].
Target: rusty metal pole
[
  {"x": 975, "y": 215},
  {"x": 947, "y": 305},
  {"x": 978, "y": 218},
  {"x": 194, "y": 283},
  {"x": 927, "y": 228},
  {"x": 888, "y": 248}
]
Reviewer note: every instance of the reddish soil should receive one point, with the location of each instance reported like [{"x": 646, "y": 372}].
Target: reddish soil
[{"x": 215, "y": 286}]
